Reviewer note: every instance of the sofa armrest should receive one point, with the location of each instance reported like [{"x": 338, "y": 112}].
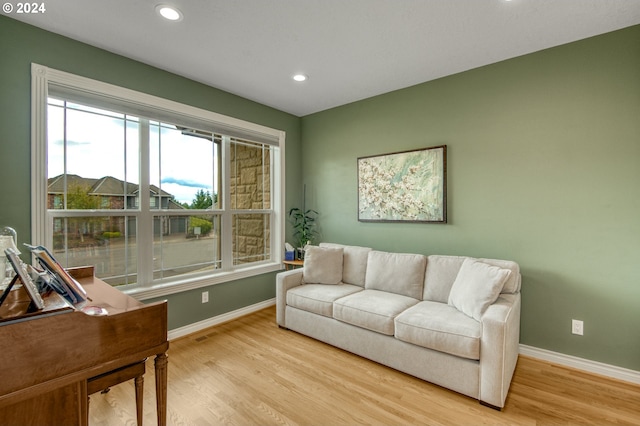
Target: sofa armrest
[
  {"x": 285, "y": 281},
  {"x": 499, "y": 348}
]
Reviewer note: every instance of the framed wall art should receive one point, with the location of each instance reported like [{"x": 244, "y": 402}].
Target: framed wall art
[{"x": 408, "y": 186}]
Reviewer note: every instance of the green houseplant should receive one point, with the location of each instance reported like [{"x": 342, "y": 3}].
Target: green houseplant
[{"x": 304, "y": 227}]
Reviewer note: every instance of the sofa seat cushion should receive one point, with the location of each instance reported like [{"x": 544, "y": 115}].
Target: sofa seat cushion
[
  {"x": 319, "y": 298},
  {"x": 372, "y": 309},
  {"x": 440, "y": 327}
]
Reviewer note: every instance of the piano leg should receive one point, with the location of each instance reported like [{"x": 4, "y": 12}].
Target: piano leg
[
  {"x": 139, "y": 383},
  {"x": 161, "y": 388}
]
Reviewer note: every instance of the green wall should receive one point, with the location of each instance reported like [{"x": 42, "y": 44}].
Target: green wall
[
  {"x": 21, "y": 44},
  {"x": 543, "y": 169}
]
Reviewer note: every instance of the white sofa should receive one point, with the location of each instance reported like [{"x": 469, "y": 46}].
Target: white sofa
[{"x": 453, "y": 321}]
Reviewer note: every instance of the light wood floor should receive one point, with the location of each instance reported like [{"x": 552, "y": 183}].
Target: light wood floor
[{"x": 250, "y": 372}]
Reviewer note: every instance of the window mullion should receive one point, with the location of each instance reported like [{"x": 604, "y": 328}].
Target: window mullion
[
  {"x": 145, "y": 218},
  {"x": 227, "y": 218}
]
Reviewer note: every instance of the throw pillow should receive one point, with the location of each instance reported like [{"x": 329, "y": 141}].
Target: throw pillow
[
  {"x": 322, "y": 265},
  {"x": 476, "y": 287},
  {"x": 354, "y": 265}
]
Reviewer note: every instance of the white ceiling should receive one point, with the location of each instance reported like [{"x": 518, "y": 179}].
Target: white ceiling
[{"x": 350, "y": 49}]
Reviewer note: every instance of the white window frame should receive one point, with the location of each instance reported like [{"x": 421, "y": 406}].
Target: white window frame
[{"x": 43, "y": 79}]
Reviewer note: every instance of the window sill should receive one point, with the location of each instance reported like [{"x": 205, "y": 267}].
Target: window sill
[{"x": 174, "y": 287}]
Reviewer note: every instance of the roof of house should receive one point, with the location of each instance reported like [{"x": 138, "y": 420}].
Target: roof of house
[{"x": 105, "y": 186}]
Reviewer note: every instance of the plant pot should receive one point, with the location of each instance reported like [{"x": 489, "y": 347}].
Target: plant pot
[{"x": 300, "y": 253}]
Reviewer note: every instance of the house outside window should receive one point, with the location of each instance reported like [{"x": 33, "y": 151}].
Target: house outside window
[{"x": 159, "y": 197}]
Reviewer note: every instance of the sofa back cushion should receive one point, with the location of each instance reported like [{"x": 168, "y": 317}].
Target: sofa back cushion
[
  {"x": 441, "y": 273},
  {"x": 322, "y": 265},
  {"x": 354, "y": 262},
  {"x": 443, "y": 270},
  {"x": 512, "y": 285},
  {"x": 399, "y": 273}
]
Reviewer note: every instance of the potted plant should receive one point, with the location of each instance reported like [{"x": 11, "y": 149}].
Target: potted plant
[{"x": 304, "y": 227}]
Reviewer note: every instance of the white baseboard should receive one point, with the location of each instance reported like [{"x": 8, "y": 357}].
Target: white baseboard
[
  {"x": 582, "y": 364},
  {"x": 210, "y": 322}
]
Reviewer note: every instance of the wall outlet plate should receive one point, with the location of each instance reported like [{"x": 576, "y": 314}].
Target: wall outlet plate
[
  {"x": 577, "y": 327},
  {"x": 205, "y": 296}
]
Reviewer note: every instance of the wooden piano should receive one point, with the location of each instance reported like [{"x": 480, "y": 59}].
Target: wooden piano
[{"x": 52, "y": 360}]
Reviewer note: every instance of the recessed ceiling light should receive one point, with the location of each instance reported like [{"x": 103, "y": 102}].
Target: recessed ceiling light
[
  {"x": 300, "y": 77},
  {"x": 169, "y": 12}
]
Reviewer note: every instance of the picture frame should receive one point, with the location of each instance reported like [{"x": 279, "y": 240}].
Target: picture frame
[
  {"x": 23, "y": 275},
  {"x": 406, "y": 186}
]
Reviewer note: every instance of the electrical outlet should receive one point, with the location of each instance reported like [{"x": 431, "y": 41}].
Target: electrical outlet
[
  {"x": 205, "y": 296},
  {"x": 577, "y": 327}
]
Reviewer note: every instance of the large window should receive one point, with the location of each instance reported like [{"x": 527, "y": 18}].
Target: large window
[{"x": 158, "y": 196}]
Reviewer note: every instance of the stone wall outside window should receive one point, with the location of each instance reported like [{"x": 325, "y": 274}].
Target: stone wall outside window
[{"x": 250, "y": 189}]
